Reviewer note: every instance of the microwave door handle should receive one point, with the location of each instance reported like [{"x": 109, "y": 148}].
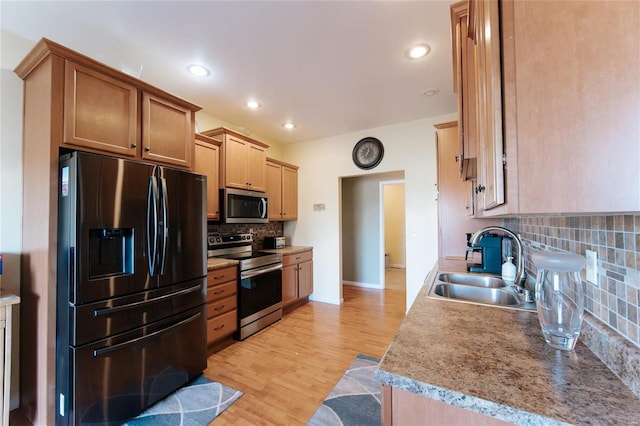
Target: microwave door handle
[
  {"x": 263, "y": 208},
  {"x": 152, "y": 224},
  {"x": 165, "y": 225}
]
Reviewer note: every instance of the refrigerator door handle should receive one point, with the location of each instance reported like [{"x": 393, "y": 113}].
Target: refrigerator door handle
[
  {"x": 165, "y": 225},
  {"x": 115, "y": 309},
  {"x": 152, "y": 224},
  {"x": 103, "y": 351}
]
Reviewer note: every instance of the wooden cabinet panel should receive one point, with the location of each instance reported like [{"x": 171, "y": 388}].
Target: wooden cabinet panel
[
  {"x": 219, "y": 276},
  {"x": 305, "y": 279},
  {"x": 274, "y": 190},
  {"x": 100, "y": 112},
  {"x": 400, "y": 407},
  {"x": 207, "y": 162},
  {"x": 167, "y": 132},
  {"x": 297, "y": 277},
  {"x": 222, "y": 303},
  {"x": 289, "y": 284},
  {"x": 243, "y": 160},
  {"x": 236, "y": 162},
  {"x": 221, "y": 326},
  {"x": 256, "y": 167},
  {"x": 465, "y": 88},
  {"x": 488, "y": 103},
  {"x": 282, "y": 190},
  {"x": 289, "y": 193}
]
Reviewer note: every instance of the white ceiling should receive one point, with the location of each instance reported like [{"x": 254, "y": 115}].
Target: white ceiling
[{"x": 332, "y": 67}]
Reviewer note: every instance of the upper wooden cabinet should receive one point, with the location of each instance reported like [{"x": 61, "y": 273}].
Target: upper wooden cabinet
[
  {"x": 566, "y": 116},
  {"x": 207, "y": 162},
  {"x": 100, "y": 112},
  {"x": 167, "y": 131},
  {"x": 243, "y": 160},
  {"x": 109, "y": 112},
  {"x": 282, "y": 190},
  {"x": 465, "y": 87}
]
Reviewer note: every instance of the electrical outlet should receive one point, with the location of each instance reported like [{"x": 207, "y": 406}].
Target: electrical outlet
[{"x": 592, "y": 267}]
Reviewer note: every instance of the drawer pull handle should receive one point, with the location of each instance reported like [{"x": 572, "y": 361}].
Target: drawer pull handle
[
  {"x": 218, "y": 292},
  {"x": 218, "y": 277},
  {"x": 219, "y": 328},
  {"x": 219, "y": 308}
]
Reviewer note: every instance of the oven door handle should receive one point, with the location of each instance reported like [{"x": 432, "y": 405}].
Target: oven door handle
[{"x": 255, "y": 272}]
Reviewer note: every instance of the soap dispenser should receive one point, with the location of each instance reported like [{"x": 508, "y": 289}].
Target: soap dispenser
[{"x": 509, "y": 271}]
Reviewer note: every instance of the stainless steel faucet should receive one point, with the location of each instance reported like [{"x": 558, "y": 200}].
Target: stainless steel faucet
[{"x": 520, "y": 272}]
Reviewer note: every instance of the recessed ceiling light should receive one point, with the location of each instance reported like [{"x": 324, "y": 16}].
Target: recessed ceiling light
[
  {"x": 198, "y": 70},
  {"x": 253, "y": 104},
  {"x": 430, "y": 92},
  {"x": 419, "y": 51},
  {"x": 289, "y": 125}
]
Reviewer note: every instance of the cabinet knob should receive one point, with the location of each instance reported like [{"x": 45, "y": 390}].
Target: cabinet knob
[
  {"x": 457, "y": 158},
  {"x": 146, "y": 148},
  {"x": 133, "y": 145},
  {"x": 479, "y": 188}
]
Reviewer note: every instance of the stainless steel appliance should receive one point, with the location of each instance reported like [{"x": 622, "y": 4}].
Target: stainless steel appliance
[
  {"x": 242, "y": 206},
  {"x": 131, "y": 286},
  {"x": 260, "y": 285},
  {"x": 273, "y": 242}
]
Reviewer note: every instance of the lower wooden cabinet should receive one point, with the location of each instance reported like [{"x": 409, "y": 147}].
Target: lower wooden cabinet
[
  {"x": 297, "y": 277},
  {"x": 400, "y": 407},
  {"x": 222, "y": 303}
]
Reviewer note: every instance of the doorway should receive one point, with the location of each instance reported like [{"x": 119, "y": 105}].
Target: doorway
[
  {"x": 393, "y": 243},
  {"x": 363, "y": 228}
]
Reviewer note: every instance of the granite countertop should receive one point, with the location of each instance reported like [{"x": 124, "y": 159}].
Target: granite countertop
[
  {"x": 219, "y": 263},
  {"x": 288, "y": 250},
  {"x": 495, "y": 362}
]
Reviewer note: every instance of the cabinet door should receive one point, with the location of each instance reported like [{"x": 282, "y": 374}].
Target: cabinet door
[
  {"x": 289, "y": 284},
  {"x": 100, "y": 112},
  {"x": 236, "y": 162},
  {"x": 256, "y": 173},
  {"x": 167, "y": 132},
  {"x": 274, "y": 190},
  {"x": 206, "y": 162},
  {"x": 489, "y": 104},
  {"x": 289, "y": 193},
  {"x": 305, "y": 279}
]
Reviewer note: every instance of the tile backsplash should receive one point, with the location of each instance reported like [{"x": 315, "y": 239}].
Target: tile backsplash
[
  {"x": 260, "y": 230},
  {"x": 616, "y": 239}
]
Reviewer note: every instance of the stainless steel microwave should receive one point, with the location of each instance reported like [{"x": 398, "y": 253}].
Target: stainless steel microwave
[{"x": 242, "y": 206}]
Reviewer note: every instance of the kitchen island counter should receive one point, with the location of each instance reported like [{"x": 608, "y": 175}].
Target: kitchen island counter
[{"x": 495, "y": 362}]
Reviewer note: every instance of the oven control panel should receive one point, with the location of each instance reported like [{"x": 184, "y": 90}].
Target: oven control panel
[{"x": 216, "y": 240}]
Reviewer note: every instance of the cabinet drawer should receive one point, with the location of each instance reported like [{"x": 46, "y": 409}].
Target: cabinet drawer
[
  {"x": 221, "y": 291},
  {"x": 219, "y": 276},
  {"x": 221, "y": 326},
  {"x": 292, "y": 259},
  {"x": 221, "y": 306}
]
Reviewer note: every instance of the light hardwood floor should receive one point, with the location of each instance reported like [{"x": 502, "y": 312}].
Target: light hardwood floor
[
  {"x": 395, "y": 278},
  {"x": 287, "y": 370}
]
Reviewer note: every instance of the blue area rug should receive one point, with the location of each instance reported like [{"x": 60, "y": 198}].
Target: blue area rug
[
  {"x": 355, "y": 399},
  {"x": 195, "y": 404}
]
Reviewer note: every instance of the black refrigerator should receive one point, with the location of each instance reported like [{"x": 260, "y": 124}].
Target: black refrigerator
[{"x": 131, "y": 286}]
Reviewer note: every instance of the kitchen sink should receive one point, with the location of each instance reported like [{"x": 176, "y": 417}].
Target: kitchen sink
[
  {"x": 477, "y": 289},
  {"x": 483, "y": 295},
  {"x": 471, "y": 279}
]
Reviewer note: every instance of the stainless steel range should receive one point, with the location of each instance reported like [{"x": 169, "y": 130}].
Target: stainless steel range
[{"x": 260, "y": 286}]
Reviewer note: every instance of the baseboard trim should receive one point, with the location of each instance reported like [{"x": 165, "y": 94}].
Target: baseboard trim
[
  {"x": 365, "y": 285},
  {"x": 326, "y": 300}
]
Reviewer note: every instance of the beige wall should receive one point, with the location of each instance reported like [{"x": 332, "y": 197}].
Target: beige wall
[
  {"x": 13, "y": 48},
  {"x": 323, "y": 163},
  {"x": 394, "y": 235}
]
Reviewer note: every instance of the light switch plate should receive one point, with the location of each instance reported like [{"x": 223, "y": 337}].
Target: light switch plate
[{"x": 592, "y": 267}]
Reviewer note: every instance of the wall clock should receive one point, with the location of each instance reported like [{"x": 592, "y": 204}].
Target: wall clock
[{"x": 367, "y": 153}]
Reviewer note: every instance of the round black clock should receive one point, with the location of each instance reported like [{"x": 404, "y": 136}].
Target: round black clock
[{"x": 367, "y": 153}]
